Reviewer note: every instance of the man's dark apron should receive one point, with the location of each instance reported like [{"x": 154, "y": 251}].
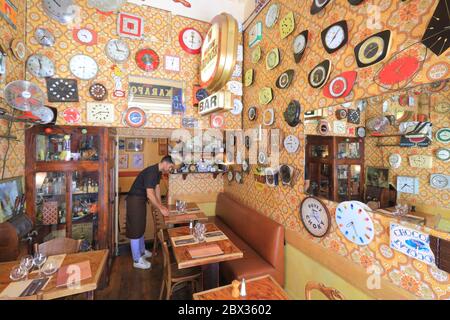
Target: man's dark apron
[{"x": 136, "y": 216}]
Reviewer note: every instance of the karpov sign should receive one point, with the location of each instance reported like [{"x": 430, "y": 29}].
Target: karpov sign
[
  {"x": 220, "y": 101},
  {"x": 411, "y": 242}
]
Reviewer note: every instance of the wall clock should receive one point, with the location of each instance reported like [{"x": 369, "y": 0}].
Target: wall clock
[
  {"x": 353, "y": 116},
  {"x": 300, "y": 43},
  {"x": 130, "y": 26},
  {"x": 318, "y": 5},
  {"x": 272, "y": 15},
  {"x": 237, "y": 107},
  {"x": 199, "y": 94},
  {"x": 217, "y": 121},
  {"x": 18, "y": 49},
  {"x": 63, "y": 11},
  {"x": 355, "y": 2},
  {"x": 45, "y": 114},
  {"x": 442, "y": 107},
  {"x": 265, "y": 96},
  {"x": 262, "y": 158},
  {"x": 117, "y": 50},
  {"x": 235, "y": 87},
  {"x": 315, "y": 217},
  {"x": 395, "y": 160},
  {"x": 269, "y": 117},
  {"x": 98, "y": 91},
  {"x": 62, "y": 90},
  {"x": 319, "y": 74},
  {"x": 421, "y": 161},
  {"x": 99, "y": 112},
  {"x": 85, "y": 36},
  {"x": 172, "y": 63},
  {"x": 355, "y": 223},
  {"x": 285, "y": 79},
  {"x": 272, "y": 177},
  {"x": 147, "y": 60},
  {"x": 238, "y": 177},
  {"x": 440, "y": 181},
  {"x": 324, "y": 127},
  {"x": 443, "y": 154},
  {"x": 40, "y": 66},
  {"x": 340, "y": 86},
  {"x": 273, "y": 59},
  {"x": 191, "y": 40},
  {"x": 339, "y": 127},
  {"x": 335, "y": 36},
  {"x": 83, "y": 67},
  {"x": 373, "y": 49},
  {"x": 437, "y": 35},
  {"x": 443, "y": 135},
  {"x": 287, "y": 25},
  {"x": 252, "y": 113},
  {"x": 408, "y": 184},
  {"x": 341, "y": 114},
  {"x": 291, "y": 144},
  {"x": 286, "y": 174},
  {"x": 255, "y": 34},
  {"x": 361, "y": 132},
  {"x": 237, "y": 71},
  {"x": 44, "y": 37},
  {"x": 72, "y": 115},
  {"x": 245, "y": 166},
  {"x": 292, "y": 113},
  {"x": 256, "y": 54},
  {"x": 230, "y": 176},
  {"x": 135, "y": 117},
  {"x": 249, "y": 74}
]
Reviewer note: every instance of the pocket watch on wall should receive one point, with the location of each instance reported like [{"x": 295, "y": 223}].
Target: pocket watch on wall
[
  {"x": 300, "y": 43},
  {"x": 373, "y": 49},
  {"x": 355, "y": 223},
  {"x": 287, "y": 25},
  {"x": 40, "y": 66},
  {"x": 117, "y": 50},
  {"x": 319, "y": 74},
  {"x": 83, "y": 67},
  {"x": 335, "y": 36},
  {"x": 315, "y": 217},
  {"x": 44, "y": 37}
]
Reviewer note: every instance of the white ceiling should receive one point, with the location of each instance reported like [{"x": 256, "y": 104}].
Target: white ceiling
[{"x": 204, "y": 10}]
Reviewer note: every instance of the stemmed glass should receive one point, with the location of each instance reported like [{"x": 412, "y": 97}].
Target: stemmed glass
[
  {"x": 27, "y": 263},
  {"x": 18, "y": 273},
  {"x": 50, "y": 268},
  {"x": 39, "y": 260}
]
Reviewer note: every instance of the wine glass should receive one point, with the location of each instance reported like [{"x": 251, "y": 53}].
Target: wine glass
[
  {"x": 18, "y": 273},
  {"x": 39, "y": 260},
  {"x": 27, "y": 263},
  {"x": 49, "y": 268}
]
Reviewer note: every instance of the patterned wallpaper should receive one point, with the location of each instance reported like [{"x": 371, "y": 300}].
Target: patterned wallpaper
[
  {"x": 407, "y": 21},
  {"x": 15, "y": 160},
  {"x": 161, "y": 31},
  {"x": 194, "y": 184}
]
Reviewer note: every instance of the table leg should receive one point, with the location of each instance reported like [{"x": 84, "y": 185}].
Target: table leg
[{"x": 210, "y": 276}]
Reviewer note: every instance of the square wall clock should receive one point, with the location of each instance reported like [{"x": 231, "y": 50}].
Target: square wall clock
[
  {"x": 130, "y": 26},
  {"x": 62, "y": 90},
  {"x": 408, "y": 185},
  {"x": 99, "y": 112},
  {"x": 172, "y": 63}
]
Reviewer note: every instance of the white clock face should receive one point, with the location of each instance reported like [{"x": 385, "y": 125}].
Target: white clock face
[
  {"x": 272, "y": 15},
  {"x": 291, "y": 144},
  {"x": 355, "y": 223},
  {"x": 117, "y": 50},
  {"x": 85, "y": 35},
  {"x": 315, "y": 217},
  {"x": 44, "y": 113},
  {"x": 395, "y": 160},
  {"x": 245, "y": 165},
  {"x": 192, "y": 39},
  {"x": 443, "y": 135},
  {"x": 408, "y": 185},
  {"x": 63, "y": 11},
  {"x": 44, "y": 37},
  {"x": 440, "y": 181},
  {"x": 100, "y": 112},
  {"x": 235, "y": 87},
  {"x": 40, "y": 66},
  {"x": 443, "y": 154},
  {"x": 172, "y": 63},
  {"x": 299, "y": 44},
  {"x": 83, "y": 67},
  {"x": 237, "y": 107},
  {"x": 334, "y": 37}
]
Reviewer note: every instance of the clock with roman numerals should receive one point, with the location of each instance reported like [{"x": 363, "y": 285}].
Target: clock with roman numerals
[{"x": 315, "y": 217}]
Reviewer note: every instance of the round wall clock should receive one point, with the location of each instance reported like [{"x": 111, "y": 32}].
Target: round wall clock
[
  {"x": 256, "y": 54},
  {"x": 45, "y": 114},
  {"x": 135, "y": 117},
  {"x": 285, "y": 79},
  {"x": 318, "y": 5},
  {"x": 147, "y": 59},
  {"x": 262, "y": 158},
  {"x": 319, "y": 74},
  {"x": 341, "y": 114},
  {"x": 443, "y": 135},
  {"x": 63, "y": 11},
  {"x": 85, "y": 36},
  {"x": 272, "y": 15},
  {"x": 117, "y": 50},
  {"x": 252, "y": 113},
  {"x": 395, "y": 160},
  {"x": 315, "y": 217},
  {"x": 300, "y": 43},
  {"x": 361, "y": 132},
  {"x": 291, "y": 144},
  {"x": 373, "y": 49},
  {"x": 443, "y": 154},
  {"x": 98, "y": 92},
  {"x": 440, "y": 181},
  {"x": 293, "y": 113},
  {"x": 83, "y": 67},
  {"x": 273, "y": 59},
  {"x": 201, "y": 94},
  {"x": 18, "y": 49},
  {"x": 340, "y": 86},
  {"x": 44, "y": 37},
  {"x": 354, "y": 222},
  {"x": 324, "y": 127},
  {"x": 335, "y": 36},
  {"x": 442, "y": 107},
  {"x": 191, "y": 40},
  {"x": 40, "y": 66}
]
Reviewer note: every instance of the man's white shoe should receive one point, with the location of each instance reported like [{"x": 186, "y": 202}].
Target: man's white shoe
[
  {"x": 142, "y": 264},
  {"x": 147, "y": 254}
]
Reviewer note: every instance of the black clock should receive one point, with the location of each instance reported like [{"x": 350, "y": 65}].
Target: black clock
[
  {"x": 335, "y": 36},
  {"x": 252, "y": 114},
  {"x": 292, "y": 113},
  {"x": 300, "y": 44},
  {"x": 319, "y": 74},
  {"x": 318, "y": 5},
  {"x": 355, "y": 2},
  {"x": 285, "y": 79},
  {"x": 62, "y": 90},
  {"x": 354, "y": 116},
  {"x": 373, "y": 49},
  {"x": 437, "y": 36},
  {"x": 98, "y": 92}
]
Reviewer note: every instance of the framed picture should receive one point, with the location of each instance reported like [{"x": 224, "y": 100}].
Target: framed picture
[
  {"x": 163, "y": 147},
  {"x": 138, "y": 161},
  {"x": 377, "y": 177},
  {"x": 134, "y": 145},
  {"x": 10, "y": 189},
  {"x": 123, "y": 161},
  {"x": 121, "y": 144}
]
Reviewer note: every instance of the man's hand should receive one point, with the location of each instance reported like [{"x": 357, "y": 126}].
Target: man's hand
[{"x": 164, "y": 211}]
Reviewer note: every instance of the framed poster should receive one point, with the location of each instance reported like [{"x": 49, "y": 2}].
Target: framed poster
[
  {"x": 377, "y": 177},
  {"x": 138, "y": 161},
  {"x": 123, "y": 161},
  {"x": 134, "y": 144}
]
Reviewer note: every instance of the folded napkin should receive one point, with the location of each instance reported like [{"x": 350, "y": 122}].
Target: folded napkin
[
  {"x": 205, "y": 251},
  {"x": 215, "y": 236},
  {"x": 184, "y": 241}
]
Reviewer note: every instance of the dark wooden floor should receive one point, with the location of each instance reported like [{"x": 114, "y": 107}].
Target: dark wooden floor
[{"x": 128, "y": 283}]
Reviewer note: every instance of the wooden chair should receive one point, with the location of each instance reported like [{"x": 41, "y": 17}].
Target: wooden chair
[
  {"x": 158, "y": 224},
  {"x": 173, "y": 277},
  {"x": 330, "y": 293},
  {"x": 58, "y": 246}
]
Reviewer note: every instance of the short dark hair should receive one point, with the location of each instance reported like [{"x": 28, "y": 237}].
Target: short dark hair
[{"x": 167, "y": 159}]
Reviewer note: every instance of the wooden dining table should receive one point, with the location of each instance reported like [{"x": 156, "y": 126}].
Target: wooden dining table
[
  {"x": 192, "y": 213},
  {"x": 260, "y": 288},
  {"x": 97, "y": 261},
  {"x": 209, "y": 264}
]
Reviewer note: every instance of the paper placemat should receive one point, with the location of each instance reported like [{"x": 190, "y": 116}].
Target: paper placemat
[
  {"x": 57, "y": 259},
  {"x": 184, "y": 241},
  {"x": 205, "y": 251},
  {"x": 17, "y": 289},
  {"x": 215, "y": 236}
]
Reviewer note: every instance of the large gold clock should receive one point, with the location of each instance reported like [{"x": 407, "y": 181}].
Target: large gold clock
[{"x": 219, "y": 52}]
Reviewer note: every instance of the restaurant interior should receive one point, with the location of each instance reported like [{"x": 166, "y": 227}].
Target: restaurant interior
[{"x": 308, "y": 144}]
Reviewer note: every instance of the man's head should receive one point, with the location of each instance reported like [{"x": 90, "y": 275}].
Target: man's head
[{"x": 166, "y": 165}]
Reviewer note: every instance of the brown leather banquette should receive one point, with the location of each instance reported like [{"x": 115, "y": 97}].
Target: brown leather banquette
[{"x": 260, "y": 239}]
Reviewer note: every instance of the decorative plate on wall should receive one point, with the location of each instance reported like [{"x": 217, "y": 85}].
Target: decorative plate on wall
[{"x": 315, "y": 217}]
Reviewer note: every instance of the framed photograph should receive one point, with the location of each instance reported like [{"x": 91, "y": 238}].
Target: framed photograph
[
  {"x": 163, "y": 147},
  {"x": 134, "y": 145},
  {"x": 121, "y": 144},
  {"x": 377, "y": 177},
  {"x": 123, "y": 161},
  {"x": 10, "y": 189},
  {"x": 138, "y": 161}
]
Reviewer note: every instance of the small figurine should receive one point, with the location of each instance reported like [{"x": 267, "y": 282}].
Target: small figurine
[
  {"x": 243, "y": 288},
  {"x": 235, "y": 289}
]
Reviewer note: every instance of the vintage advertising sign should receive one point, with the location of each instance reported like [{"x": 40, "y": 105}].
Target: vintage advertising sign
[
  {"x": 411, "y": 242},
  {"x": 220, "y": 101}
]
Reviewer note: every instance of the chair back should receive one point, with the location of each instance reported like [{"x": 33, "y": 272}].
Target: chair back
[
  {"x": 330, "y": 293},
  {"x": 157, "y": 220},
  {"x": 58, "y": 246},
  {"x": 166, "y": 256}
]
